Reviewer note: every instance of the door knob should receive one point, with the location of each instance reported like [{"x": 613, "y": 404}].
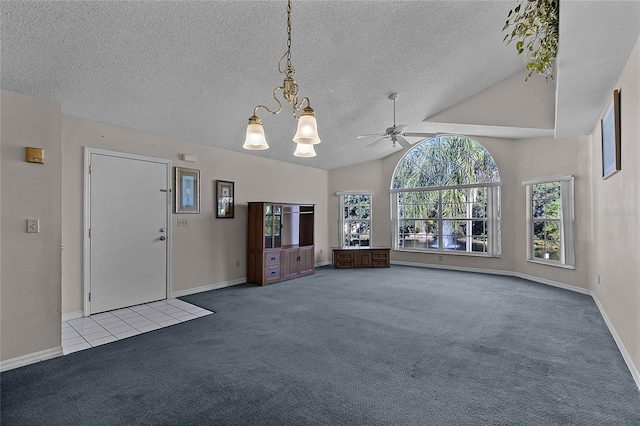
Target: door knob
[
  {"x": 161, "y": 229},
  {"x": 162, "y": 238}
]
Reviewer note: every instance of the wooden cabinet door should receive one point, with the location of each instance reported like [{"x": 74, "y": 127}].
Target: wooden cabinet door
[
  {"x": 290, "y": 263},
  {"x": 298, "y": 261},
  {"x": 307, "y": 260},
  {"x": 362, "y": 259}
]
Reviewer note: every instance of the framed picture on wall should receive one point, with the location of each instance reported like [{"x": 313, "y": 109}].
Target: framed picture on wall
[
  {"x": 611, "y": 144},
  {"x": 187, "y": 190},
  {"x": 224, "y": 195}
]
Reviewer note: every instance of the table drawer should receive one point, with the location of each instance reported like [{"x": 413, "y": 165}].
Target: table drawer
[
  {"x": 272, "y": 259},
  {"x": 272, "y": 274}
]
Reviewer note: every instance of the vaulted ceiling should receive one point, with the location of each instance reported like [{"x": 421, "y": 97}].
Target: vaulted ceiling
[{"x": 195, "y": 70}]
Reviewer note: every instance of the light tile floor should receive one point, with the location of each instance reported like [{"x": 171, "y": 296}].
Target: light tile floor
[{"x": 106, "y": 327}]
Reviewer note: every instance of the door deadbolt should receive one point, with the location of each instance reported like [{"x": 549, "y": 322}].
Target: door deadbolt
[{"x": 162, "y": 238}]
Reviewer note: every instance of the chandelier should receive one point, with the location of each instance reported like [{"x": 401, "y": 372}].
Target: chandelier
[{"x": 307, "y": 134}]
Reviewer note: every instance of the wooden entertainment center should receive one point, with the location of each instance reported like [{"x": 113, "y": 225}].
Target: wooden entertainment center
[{"x": 280, "y": 242}]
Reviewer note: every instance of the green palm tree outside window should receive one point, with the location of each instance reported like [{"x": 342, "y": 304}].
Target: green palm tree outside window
[{"x": 447, "y": 197}]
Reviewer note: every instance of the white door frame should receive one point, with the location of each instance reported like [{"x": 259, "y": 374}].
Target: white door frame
[{"x": 87, "y": 215}]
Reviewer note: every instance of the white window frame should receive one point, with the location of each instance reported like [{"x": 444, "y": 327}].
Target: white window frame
[
  {"x": 492, "y": 220},
  {"x": 341, "y": 219},
  {"x": 567, "y": 237}
]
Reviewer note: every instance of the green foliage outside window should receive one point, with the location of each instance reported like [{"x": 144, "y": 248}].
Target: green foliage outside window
[
  {"x": 547, "y": 216},
  {"x": 445, "y": 161},
  {"x": 450, "y": 213},
  {"x": 357, "y": 220}
]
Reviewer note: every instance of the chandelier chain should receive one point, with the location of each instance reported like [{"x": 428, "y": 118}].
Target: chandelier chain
[{"x": 289, "y": 34}]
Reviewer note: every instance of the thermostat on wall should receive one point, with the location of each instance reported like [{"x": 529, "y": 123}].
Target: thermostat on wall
[{"x": 34, "y": 155}]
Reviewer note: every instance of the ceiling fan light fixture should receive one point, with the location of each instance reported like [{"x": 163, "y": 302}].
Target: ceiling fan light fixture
[{"x": 255, "y": 139}]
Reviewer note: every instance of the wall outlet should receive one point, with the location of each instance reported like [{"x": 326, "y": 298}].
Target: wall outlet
[
  {"x": 237, "y": 263},
  {"x": 183, "y": 222},
  {"x": 440, "y": 258},
  {"x": 598, "y": 278},
  {"x": 320, "y": 251},
  {"x": 33, "y": 225}
]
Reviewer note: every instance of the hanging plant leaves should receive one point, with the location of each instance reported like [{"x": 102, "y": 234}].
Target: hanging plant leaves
[{"x": 535, "y": 27}]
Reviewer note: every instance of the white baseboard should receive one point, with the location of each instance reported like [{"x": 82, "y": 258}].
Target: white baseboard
[
  {"x": 72, "y": 315},
  {"x": 552, "y": 283},
  {"x": 222, "y": 285},
  {"x": 23, "y": 360},
  {"x": 625, "y": 355},
  {"x": 195, "y": 290}
]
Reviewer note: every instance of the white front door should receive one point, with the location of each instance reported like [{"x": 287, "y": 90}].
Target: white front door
[{"x": 128, "y": 216}]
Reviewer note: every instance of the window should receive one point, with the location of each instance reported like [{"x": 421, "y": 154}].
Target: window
[
  {"x": 355, "y": 223},
  {"x": 446, "y": 198},
  {"x": 550, "y": 221}
]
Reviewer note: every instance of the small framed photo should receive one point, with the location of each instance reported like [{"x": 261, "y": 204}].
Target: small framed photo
[
  {"x": 224, "y": 195},
  {"x": 611, "y": 144},
  {"x": 187, "y": 189}
]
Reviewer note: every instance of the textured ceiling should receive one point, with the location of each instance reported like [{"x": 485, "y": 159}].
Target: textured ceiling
[{"x": 196, "y": 70}]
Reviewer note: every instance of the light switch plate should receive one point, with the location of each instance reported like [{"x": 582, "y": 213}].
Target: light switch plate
[{"x": 33, "y": 225}]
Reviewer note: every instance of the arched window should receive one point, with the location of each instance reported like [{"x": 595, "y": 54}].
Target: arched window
[{"x": 446, "y": 197}]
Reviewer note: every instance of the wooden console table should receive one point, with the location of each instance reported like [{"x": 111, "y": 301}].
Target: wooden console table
[{"x": 360, "y": 257}]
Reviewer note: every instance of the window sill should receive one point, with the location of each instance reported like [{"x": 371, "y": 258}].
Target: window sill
[{"x": 556, "y": 264}]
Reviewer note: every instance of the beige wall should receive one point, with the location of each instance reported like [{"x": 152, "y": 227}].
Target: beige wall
[
  {"x": 206, "y": 252},
  {"x": 615, "y": 232},
  {"x": 30, "y": 288},
  {"x": 542, "y": 158}
]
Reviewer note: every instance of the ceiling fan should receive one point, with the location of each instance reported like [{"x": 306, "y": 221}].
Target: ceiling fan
[{"x": 396, "y": 133}]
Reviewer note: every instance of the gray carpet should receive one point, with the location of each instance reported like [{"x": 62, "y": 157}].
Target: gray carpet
[{"x": 398, "y": 346}]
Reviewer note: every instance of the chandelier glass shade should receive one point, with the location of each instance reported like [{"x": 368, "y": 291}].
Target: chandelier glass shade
[
  {"x": 304, "y": 150},
  {"x": 307, "y": 132},
  {"x": 255, "y": 139}
]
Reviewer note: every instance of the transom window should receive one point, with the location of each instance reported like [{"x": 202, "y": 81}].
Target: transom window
[{"x": 446, "y": 196}]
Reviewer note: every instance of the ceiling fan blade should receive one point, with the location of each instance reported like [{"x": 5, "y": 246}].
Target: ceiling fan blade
[
  {"x": 400, "y": 128},
  {"x": 403, "y": 142},
  {"x": 372, "y": 134},
  {"x": 376, "y": 142},
  {"x": 419, "y": 135}
]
